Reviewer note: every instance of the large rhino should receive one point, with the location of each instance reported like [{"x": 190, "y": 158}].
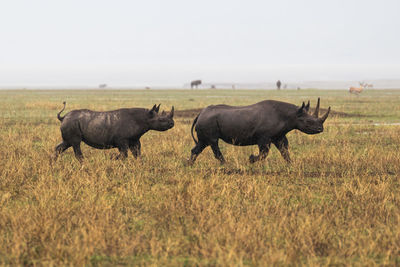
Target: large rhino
[
  {"x": 259, "y": 124},
  {"x": 120, "y": 129}
]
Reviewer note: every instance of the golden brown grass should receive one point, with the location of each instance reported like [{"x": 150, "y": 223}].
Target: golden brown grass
[{"x": 338, "y": 203}]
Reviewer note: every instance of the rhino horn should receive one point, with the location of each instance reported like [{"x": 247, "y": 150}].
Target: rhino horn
[
  {"x": 316, "y": 112},
  {"x": 171, "y": 114},
  {"x": 323, "y": 118}
]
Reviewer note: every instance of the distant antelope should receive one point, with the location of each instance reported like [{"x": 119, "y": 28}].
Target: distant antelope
[{"x": 357, "y": 90}]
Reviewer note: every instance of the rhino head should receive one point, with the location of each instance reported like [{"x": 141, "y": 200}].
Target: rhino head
[
  {"x": 310, "y": 123},
  {"x": 160, "y": 122}
]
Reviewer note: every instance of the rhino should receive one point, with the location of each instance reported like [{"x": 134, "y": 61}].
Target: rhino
[
  {"x": 121, "y": 128},
  {"x": 259, "y": 124}
]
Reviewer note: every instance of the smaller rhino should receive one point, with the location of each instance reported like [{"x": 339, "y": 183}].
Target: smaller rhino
[{"x": 121, "y": 128}]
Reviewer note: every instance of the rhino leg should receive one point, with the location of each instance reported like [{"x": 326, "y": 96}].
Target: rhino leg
[
  {"x": 217, "y": 153},
  {"x": 60, "y": 148},
  {"x": 77, "y": 151},
  {"x": 73, "y": 136},
  {"x": 135, "y": 148},
  {"x": 200, "y": 146},
  {"x": 283, "y": 146},
  {"x": 123, "y": 150},
  {"x": 263, "y": 148}
]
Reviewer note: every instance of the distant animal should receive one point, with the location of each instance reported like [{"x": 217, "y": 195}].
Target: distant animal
[
  {"x": 259, "y": 124},
  {"x": 121, "y": 128},
  {"x": 195, "y": 83},
  {"x": 357, "y": 90},
  {"x": 278, "y": 85}
]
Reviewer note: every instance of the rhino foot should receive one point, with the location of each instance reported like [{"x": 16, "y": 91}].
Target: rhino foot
[
  {"x": 188, "y": 162},
  {"x": 253, "y": 158}
]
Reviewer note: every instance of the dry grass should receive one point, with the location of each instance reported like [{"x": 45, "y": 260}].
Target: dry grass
[{"x": 338, "y": 203}]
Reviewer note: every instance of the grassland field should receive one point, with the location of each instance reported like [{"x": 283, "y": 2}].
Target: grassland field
[{"x": 336, "y": 204}]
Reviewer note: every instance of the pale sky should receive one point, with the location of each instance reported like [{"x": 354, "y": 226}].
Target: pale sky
[{"x": 170, "y": 42}]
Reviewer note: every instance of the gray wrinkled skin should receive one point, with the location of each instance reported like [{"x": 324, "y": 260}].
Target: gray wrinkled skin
[
  {"x": 259, "y": 124},
  {"x": 120, "y": 129}
]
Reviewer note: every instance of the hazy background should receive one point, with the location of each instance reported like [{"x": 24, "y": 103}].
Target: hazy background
[{"x": 168, "y": 43}]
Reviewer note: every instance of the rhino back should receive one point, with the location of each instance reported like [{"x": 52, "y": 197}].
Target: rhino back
[
  {"x": 103, "y": 129},
  {"x": 243, "y": 125}
]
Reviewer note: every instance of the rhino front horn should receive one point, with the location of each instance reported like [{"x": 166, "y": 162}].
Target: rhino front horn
[{"x": 323, "y": 118}]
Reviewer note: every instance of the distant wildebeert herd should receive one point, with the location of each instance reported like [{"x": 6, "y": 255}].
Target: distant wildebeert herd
[{"x": 262, "y": 124}]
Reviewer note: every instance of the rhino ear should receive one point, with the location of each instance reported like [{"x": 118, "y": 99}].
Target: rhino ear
[
  {"x": 308, "y": 106},
  {"x": 152, "y": 111},
  {"x": 301, "y": 109},
  {"x": 171, "y": 114},
  {"x": 157, "y": 108}
]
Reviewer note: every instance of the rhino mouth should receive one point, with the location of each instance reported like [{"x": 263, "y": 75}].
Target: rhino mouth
[
  {"x": 319, "y": 130},
  {"x": 168, "y": 126},
  {"x": 314, "y": 130}
]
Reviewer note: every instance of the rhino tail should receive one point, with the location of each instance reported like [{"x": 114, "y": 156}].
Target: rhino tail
[
  {"x": 191, "y": 130},
  {"x": 58, "y": 114}
]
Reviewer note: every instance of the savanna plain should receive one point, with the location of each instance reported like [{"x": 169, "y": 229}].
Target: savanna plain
[{"x": 336, "y": 204}]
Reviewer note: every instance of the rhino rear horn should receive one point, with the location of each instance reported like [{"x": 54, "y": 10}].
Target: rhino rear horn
[
  {"x": 323, "y": 118},
  {"x": 316, "y": 112},
  {"x": 171, "y": 114}
]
